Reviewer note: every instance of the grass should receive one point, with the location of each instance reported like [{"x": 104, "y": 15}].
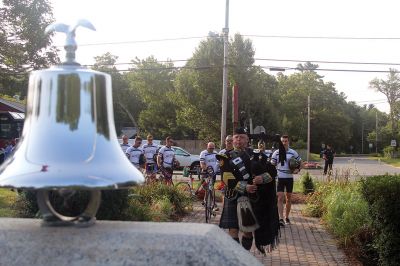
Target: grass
[
  {"x": 313, "y": 157},
  {"x": 392, "y": 161},
  {"x": 7, "y": 199}
]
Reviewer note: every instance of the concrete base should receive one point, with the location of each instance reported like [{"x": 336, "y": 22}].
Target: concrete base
[{"x": 26, "y": 242}]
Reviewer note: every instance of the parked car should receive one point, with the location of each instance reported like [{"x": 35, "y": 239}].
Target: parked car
[{"x": 186, "y": 159}]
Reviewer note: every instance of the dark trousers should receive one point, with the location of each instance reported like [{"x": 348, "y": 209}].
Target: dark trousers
[{"x": 328, "y": 163}]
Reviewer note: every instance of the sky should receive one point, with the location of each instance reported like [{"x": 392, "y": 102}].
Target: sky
[{"x": 352, "y": 31}]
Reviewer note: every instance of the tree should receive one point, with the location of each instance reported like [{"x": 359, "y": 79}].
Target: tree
[
  {"x": 153, "y": 83},
  {"x": 199, "y": 88},
  {"x": 23, "y": 43},
  {"x": 329, "y": 122},
  {"x": 391, "y": 89}
]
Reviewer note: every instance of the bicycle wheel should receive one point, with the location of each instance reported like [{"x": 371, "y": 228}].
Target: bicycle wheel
[
  {"x": 185, "y": 188},
  {"x": 208, "y": 205}
]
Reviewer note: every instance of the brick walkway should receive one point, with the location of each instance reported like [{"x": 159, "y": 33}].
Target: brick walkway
[{"x": 303, "y": 242}]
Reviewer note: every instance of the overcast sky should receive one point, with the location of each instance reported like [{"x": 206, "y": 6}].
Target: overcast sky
[{"x": 273, "y": 27}]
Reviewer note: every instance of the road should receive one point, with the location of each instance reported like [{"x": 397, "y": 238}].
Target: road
[
  {"x": 344, "y": 167},
  {"x": 354, "y": 167}
]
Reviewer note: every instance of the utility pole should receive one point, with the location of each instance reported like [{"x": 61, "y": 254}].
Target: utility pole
[
  {"x": 362, "y": 138},
  {"x": 308, "y": 130},
  {"x": 376, "y": 131},
  {"x": 225, "y": 76}
]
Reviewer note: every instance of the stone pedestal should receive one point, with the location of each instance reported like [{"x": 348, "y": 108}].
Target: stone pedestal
[{"x": 26, "y": 242}]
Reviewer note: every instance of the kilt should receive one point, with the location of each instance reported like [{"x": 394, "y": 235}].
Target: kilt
[{"x": 229, "y": 217}]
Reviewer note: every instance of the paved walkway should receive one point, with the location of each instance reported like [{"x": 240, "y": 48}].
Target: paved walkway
[{"x": 303, "y": 242}]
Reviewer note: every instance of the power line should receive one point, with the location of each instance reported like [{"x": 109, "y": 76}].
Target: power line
[
  {"x": 321, "y": 37},
  {"x": 276, "y": 60},
  {"x": 143, "y": 41},
  {"x": 327, "y": 69},
  {"x": 244, "y": 35},
  {"x": 371, "y": 101},
  {"x": 327, "y": 62}
]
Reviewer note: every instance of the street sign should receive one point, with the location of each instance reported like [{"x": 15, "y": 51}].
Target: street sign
[{"x": 393, "y": 143}]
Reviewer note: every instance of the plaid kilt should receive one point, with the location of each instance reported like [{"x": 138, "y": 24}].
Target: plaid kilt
[{"x": 229, "y": 217}]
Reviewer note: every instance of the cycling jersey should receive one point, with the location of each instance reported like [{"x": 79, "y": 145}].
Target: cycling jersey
[
  {"x": 284, "y": 171},
  {"x": 134, "y": 155},
  {"x": 149, "y": 151},
  {"x": 209, "y": 159},
  {"x": 124, "y": 147},
  {"x": 167, "y": 155}
]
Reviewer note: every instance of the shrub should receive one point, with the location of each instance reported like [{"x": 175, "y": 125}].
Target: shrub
[
  {"x": 315, "y": 201},
  {"x": 346, "y": 211},
  {"x": 382, "y": 194},
  {"x": 155, "y": 192},
  {"x": 25, "y": 205},
  {"x": 307, "y": 183}
]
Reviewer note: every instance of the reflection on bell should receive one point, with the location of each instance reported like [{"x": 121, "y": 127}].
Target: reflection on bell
[{"x": 69, "y": 139}]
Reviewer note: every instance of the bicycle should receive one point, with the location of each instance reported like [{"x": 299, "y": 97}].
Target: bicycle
[
  {"x": 187, "y": 187},
  {"x": 206, "y": 184},
  {"x": 209, "y": 203}
]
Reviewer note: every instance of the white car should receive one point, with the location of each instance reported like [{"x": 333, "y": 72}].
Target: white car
[{"x": 186, "y": 159}]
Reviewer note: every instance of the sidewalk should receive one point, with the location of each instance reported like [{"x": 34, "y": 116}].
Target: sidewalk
[{"x": 303, "y": 242}]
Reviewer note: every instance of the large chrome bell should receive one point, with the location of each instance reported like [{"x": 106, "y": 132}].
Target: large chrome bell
[{"x": 69, "y": 141}]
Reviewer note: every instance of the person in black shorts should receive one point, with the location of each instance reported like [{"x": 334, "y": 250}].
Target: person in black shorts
[{"x": 285, "y": 179}]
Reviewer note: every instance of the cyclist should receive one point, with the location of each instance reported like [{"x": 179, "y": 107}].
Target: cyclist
[
  {"x": 207, "y": 158},
  {"x": 166, "y": 157},
  {"x": 285, "y": 179},
  {"x": 150, "y": 153},
  {"x": 125, "y": 145},
  {"x": 135, "y": 153},
  {"x": 228, "y": 145}
]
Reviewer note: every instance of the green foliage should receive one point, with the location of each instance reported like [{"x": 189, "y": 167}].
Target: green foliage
[
  {"x": 327, "y": 109},
  {"x": 382, "y": 195},
  {"x": 315, "y": 201},
  {"x": 307, "y": 183},
  {"x": 388, "y": 151},
  {"x": 345, "y": 212},
  {"x": 7, "y": 198},
  {"x": 25, "y": 205},
  {"x": 24, "y": 45},
  {"x": 157, "y": 194},
  {"x": 391, "y": 89},
  {"x": 153, "y": 83}
]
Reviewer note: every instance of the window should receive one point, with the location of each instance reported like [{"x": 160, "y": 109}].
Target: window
[
  {"x": 5, "y": 131},
  {"x": 180, "y": 152}
]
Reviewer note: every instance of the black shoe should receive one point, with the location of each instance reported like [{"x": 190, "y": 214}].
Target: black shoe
[
  {"x": 261, "y": 249},
  {"x": 287, "y": 221},
  {"x": 281, "y": 223},
  {"x": 247, "y": 242}
]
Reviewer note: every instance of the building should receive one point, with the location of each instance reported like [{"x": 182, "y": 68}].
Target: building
[{"x": 12, "y": 115}]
